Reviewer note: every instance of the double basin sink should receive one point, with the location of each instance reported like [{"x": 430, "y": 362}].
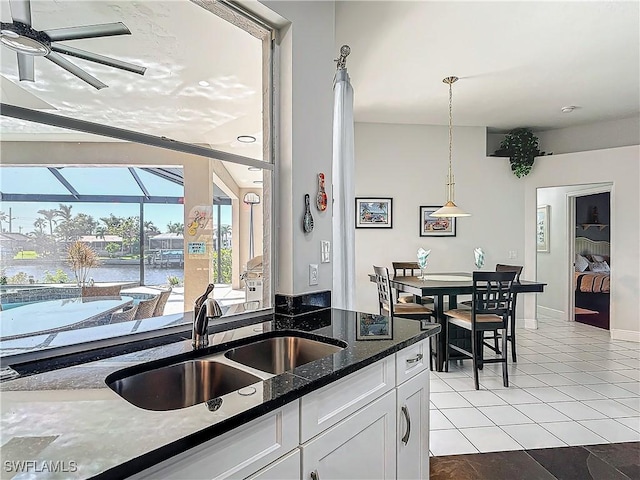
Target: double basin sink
[{"x": 202, "y": 377}]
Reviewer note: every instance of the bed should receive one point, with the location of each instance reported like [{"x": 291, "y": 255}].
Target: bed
[{"x": 592, "y": 288}]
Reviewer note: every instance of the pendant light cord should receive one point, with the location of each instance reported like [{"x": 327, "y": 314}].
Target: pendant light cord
[{"x": 450, "y": 182}]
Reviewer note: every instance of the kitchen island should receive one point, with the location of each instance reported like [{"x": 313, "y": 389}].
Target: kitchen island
[{"x": 69, "y": 420}]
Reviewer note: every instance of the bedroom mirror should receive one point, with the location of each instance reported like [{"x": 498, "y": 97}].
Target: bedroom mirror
[{"x": 573, "y": 236}]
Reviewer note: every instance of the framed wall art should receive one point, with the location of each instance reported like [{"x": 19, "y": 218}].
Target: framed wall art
[
  {"x": 436, "y": 227},
  {"x": 374, "y": 212},
  {"x": 542, "y": 228},
  {"x": 374, "y": 327}
]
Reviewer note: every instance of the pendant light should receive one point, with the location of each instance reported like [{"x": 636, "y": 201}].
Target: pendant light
[{"x": 450, "y": 209}]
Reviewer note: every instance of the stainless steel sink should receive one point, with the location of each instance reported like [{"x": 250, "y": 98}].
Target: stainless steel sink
[
  {"x": 279, "y": 354},
  {"x": 181, "y": 385}
]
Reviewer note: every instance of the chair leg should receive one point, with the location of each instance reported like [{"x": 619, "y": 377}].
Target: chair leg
[
  {"x": 512, "y": 337},
  {"x": 446, "y": 345},
  {"x": 480, "y": 349},
  {"x": 505, "y": 356},
  {"x": 474, "y": 355},
  {"x": 495, "y": 342}
]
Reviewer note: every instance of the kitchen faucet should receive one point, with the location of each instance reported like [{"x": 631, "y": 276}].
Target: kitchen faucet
[{"x": 204, "y": 309}]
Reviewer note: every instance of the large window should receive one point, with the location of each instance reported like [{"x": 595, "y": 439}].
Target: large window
[{"x": 165, "y": 179}]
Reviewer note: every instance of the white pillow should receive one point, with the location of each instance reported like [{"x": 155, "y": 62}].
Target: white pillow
[
  {"x": 581, "y": 263},
  {"x": 597, "y": 258},
  {"x": 602, "y": 267}
]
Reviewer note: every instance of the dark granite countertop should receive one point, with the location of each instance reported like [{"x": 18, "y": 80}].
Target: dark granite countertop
[{"x": 72, "y": 417}]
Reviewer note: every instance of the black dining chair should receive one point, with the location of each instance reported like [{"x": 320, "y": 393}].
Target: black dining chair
[
  {"x": 491, "y": 303},
  {"x": 408, "y": 269},
  {"x": 392, "y": 309},
  {"x": 511, "y": 333}
]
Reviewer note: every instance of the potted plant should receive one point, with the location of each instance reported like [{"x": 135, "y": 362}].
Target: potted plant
[
  {"x": 521, "y": 146},
  {"x": 82, "y": 258}
]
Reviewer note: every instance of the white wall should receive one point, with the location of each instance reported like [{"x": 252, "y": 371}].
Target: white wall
[
  {"x": 304, "y": 139},
  {"x": 409, "y": 163},
  {"x": 621, "y": 167}
]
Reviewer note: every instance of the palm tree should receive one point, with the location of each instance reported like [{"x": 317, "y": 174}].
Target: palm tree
[
  {"x": 40, "y": 224},
  {"x": 3, "y": 218},
  {"x": 49, "y": 216},
  {"x": 64, "y": 212},
  {"x": 175, "y": 227},
  {"x": 101, "y": 232}
]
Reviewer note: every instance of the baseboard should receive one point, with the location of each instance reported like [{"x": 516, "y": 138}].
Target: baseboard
[
  {"x": 551, "y": 313},
  {"x": 626, "y": 335},
  {"x": 531, "y": 323}
]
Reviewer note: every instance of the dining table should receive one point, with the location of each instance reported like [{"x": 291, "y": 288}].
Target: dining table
[
  {"x": 57, "y": 315},
  {"x": 447, "y": 286}
]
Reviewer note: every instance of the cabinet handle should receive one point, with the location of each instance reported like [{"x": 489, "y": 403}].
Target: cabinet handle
[
  {"x": 315, "y": 475},
  {"x": 407, "y": 434},
  {"x": 415, "y": 359}
]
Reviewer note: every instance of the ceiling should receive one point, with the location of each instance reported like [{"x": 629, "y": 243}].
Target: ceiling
[{"x": 519, "y": 62}]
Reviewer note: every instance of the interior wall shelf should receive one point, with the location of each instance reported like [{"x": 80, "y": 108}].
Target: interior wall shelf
[{"x": 601, "y": 226}]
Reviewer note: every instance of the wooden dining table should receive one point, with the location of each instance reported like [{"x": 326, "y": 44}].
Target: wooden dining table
[{"x": 449, "y": 285}]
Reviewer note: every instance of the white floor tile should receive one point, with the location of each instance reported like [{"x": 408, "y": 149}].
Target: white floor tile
[
  {"x": 533, "y": 436},
  {"x": 632, "y": 374},
  {"x": 530, "y": 368},
  {"x": 437, "y": 421},
  {"x": 548, "y": 394},
  {"x": 554, "y": 379},
  {"x": 516, "y": 396},
  {"x": 633, "y": 387},
  {"x": 439, "y": 385},
  {"x": 581, "y": 393},
  {"x": 461, "y": 384},
  {"x": 482, "y": 398},
  {"x": 610, "y": 376},
  {"x": 492, "y": 383},
  {"x": 577, "y": 410},
  {"x": 490, "y": 439},
  {"x": 611, "y": 430},
  {"x": 631, "y": 422},
  {"x": 449, "y": 442},
  {"x": 467, "y": 417},
  {"x": 505, "y": 415},
  {"x": 444, "y": 400},
  {"x": 523, "y": 380},
  {"x": 572, "y": 433},
  {"x": 611, "y": 408},
  {"x": 541, "y": 413},
  {"x": 560, "y": 367},
  {"x": 612, "y": 391},
  {"x": 561, "y": 357},
  {"x": 582, "y": 378},
  {"x": 586, "y": 356},
  {"x": 633, "y": 402}
]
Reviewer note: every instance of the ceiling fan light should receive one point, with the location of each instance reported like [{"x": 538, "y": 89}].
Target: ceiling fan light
[
  {"x": 450, "y": 209},
  {"x": 24, "y": 45}
]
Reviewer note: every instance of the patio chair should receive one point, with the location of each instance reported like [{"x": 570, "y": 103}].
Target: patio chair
[
  {"x": 124, "y": 316},
  {"x": 101, "y": 291},
  {"x": 146, "y": 308},
  {"x": 162, "y": 301}
]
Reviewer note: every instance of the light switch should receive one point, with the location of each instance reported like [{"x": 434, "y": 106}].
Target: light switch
[
  {"x": 313, "y": 274},
  {"x": 325, "y": 251}
]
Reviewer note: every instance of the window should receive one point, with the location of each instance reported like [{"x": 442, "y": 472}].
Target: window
[{"x": 100, "y": 170}]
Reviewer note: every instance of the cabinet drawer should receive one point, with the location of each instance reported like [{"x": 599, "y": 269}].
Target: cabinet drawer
[
  {"x": 327, "y": 406},
  {"x": 237, "y": 453},
  {"x": 412, "y": 360},
  {"x": 285, "y": 468}
]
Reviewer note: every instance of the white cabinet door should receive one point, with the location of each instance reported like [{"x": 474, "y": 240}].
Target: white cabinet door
[
  {"x": 325, "y": 407},
  {"x": 413, "y": 427},
  {"x": 286, "y": 468},
  {"x": 360, "y": 447}
]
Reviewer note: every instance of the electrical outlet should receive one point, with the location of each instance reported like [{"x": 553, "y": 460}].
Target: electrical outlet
[
  {"x": 313, "y": 274},
  {"x": 325, "y": 251},
  {"x": 513, "y": 254}
]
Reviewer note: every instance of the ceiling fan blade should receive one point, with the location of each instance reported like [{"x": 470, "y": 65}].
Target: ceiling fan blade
[
  {"x": 87, "y": 31},
  {"x": 77, "y": 71},
  {"x": 26, "y": 68},
  {"x": 21, "y": 11},
  {"x": 94, "y": 57}
]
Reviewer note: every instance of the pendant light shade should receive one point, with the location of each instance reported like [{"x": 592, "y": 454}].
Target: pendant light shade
[{"x": 450, "y": 209}]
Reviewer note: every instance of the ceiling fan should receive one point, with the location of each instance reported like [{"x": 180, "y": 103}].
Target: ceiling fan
[{"x": 21, "y": 37}]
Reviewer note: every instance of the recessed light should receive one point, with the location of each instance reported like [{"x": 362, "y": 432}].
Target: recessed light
[
  {"x": 254, "y": 169},
  {"x": 568, "y": 109},
  {"x": 203, "y": 83},
  {"x": 246, "y": 139}
]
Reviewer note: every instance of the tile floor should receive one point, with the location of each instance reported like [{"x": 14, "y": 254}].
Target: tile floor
[{"x": 572, "y": 385}]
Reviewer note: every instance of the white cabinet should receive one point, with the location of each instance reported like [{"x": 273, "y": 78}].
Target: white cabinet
[
  {"x": 286, "y": 468},
  {"x": 412, "y": 401},
  {"x": 360, "y": 447},
  {"x": 235, "y": 454}
]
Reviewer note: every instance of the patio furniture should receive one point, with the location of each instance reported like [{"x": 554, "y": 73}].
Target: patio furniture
[
  {"x": 162, "y": 301},
  {"x": 124, "y": 316},
  {"x": 101, "y": 291},
  {"x": 146, "y": 308}
]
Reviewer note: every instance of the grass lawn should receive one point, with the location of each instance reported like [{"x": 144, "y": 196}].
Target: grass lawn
[{"x": 30, "y": 254}]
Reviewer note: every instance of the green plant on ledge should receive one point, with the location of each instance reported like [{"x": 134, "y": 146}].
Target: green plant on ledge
[{"x": 521, "y": 146}]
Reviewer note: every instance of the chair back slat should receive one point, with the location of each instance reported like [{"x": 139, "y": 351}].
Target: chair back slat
[
  {"x": 510, "y": 268},
  {"x": 405, "y": 269},
  {"x": 385, "y": 299},
  {"x": 492, "y": 292}
]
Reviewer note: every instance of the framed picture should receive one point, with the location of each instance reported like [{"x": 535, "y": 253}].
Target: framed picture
[
  {"x": 374, "y": 327},
  {"x": 436, "y": 227},
  {"x": 542, "y": 228},
  {"x": 374, "y": 213}
]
